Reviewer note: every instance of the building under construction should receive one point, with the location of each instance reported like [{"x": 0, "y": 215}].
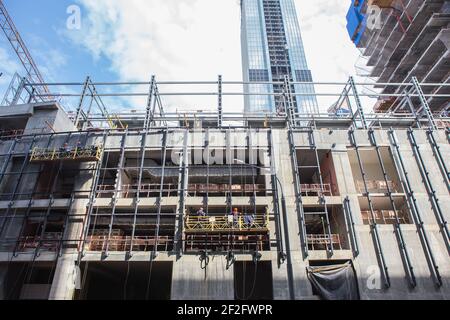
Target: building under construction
[
  {"x": 214, "y": 205},
  {"x": 400, "y": 39}
]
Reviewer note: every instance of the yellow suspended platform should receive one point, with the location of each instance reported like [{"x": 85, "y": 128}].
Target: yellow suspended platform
[
  {"x": 213, "y": 224},
  {"x": 77, "y": 154}
]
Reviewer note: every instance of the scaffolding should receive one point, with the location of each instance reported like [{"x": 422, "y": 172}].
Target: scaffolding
[
  {"x": 411, "y": 41},
  {"x": 138, "y": 200},
  {"x": 66, "y": 154}
]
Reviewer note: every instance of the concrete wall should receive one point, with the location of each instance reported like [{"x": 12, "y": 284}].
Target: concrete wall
[{"x": 190, "y": 281}]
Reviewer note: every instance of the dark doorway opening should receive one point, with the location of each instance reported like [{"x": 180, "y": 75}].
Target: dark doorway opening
[
  {"x": 253, "y": 281},
  {"x": 126, "y": 281},
  {"x": 27, "y": 281}
]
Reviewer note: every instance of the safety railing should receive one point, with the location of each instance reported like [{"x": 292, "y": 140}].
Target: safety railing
[
  {"x": 49, "y": 241},
  {"x": 10, "y": 134},
  {"x": 316, "y": 190},
  {"x": 227, "y": 223},
  {"x": 146, "y": 190},
  {"x": 376, "y": 186},
  {"x": 385, "y": 217},
  {"x": 194, "y": 189},
  {"x": 321, "y": 241},
  {"x": 77, "y": 154},
  {"x": 123, "y": 243}
]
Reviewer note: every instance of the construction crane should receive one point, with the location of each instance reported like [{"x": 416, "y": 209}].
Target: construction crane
[{"x": 33, "y": 74}]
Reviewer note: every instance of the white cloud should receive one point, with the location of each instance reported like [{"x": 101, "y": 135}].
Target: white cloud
[
  {"x": 9, "y": 66},
  {"x": 331, "y": 54},
  {"x": 173, "y": 39},
  {"x": 190, "y": 39},
  {"x": 199, "y": 39}
]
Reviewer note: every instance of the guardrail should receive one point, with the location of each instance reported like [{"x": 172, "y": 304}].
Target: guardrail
[
  {"x": 77, "y": 154},
  {"x": 322, "y": 240},
  {"x": 123, "y": 243},
  {"x": 227, "y": 223}
]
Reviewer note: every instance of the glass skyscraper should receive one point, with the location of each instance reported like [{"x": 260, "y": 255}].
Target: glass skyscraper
[{"x": 272, "y": 48}]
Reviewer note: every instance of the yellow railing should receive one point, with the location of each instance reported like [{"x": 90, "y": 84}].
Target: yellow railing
[
  {"x": 115, "y": 122},
  {"x": 77, "y": 154},
  {"x": 226, "y": 223}
]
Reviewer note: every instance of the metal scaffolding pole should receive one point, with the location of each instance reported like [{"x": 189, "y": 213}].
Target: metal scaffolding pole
[
  {"x": 409, "y": 269},
  {"x": 323, "y": 199},
  {"x": 91, "y": 201},
  {"x": 21, "y": 173},
  {"x": 183, "y": 183},
  {"x": 360, "y": 108},
  {"x": 350, "y": 224},
  {"x": 79, "y": 111},
  {"x": 220, "y": 101},
  {"x": 137, "y": 197},
  {"x": 160, "y": 196},
  {"x": 424, "y": 102},
  {"x": 431, "y": 190},
  {"x": 28, "y": 210},
  {"x": 298, "y": 194},
  {"x": 117, "y": 188},
  {"x": 373, "y": 223},
  {"x": 439, "y": 157},
  {"x": 415, "y": 210}
]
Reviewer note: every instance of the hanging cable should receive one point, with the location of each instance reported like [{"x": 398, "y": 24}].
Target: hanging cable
[
  {"x": 126, "y": 281},
  {"x": 204, "y": 260}
]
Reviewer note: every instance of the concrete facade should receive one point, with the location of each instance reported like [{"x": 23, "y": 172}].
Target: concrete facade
[{"x": 191, "y": 278}]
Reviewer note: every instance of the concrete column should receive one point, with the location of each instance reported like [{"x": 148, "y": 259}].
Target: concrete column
[
  {"x": 66, "y": 272},
  {"x": 283, "y": 164},
  {"x": 65, "y": 279},
  {"x": 191, "y": 282}
]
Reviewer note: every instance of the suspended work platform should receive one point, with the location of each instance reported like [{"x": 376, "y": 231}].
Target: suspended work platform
[
  {"x": 195, "y": 224},
  {"x": 65, "y": 154}
]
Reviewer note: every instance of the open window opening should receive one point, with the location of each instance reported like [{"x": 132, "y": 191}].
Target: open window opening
[
  {"x": 42, "y": 233},
  {"x": 125, "y": 281},
  {"x": 125, "y": 235},
  {"x": 12, "y": 127},
  {"x": 318, "y": 237},
  {"x": 58, "y": 184},
  {"x": 253, "y": 280},
  {"x": 128, "y": 177},
  {"x": 222, "y": 178},
  {"x": 310, "y": 174},
  {"x": 108, "y": 174},
  {"x": 384, "y": 211},
  {"x": 376, "y": 183},
  {"x": 27, "y": 231}
]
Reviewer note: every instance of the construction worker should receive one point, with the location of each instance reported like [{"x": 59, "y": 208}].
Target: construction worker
[
  {"x": 65, "y": 150},
  {"x": 235, "y": 215},
  {"x": 249, "y": 219},
  {"x": 201, "y": 213}
]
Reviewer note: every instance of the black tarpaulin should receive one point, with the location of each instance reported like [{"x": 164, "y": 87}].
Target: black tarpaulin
[{"x": 336, "y": 282}]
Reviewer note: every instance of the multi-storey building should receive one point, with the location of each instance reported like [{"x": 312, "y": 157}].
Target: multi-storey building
[
  {"x": 186, "y": 206},
  {"x": 272, "y": 53},
  {"x": 401, "y": 39}
]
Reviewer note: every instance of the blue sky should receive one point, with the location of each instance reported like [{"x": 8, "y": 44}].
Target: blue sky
[
  {"x": 41, "y": 24},
  {"x": 129, "y": 40}
]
